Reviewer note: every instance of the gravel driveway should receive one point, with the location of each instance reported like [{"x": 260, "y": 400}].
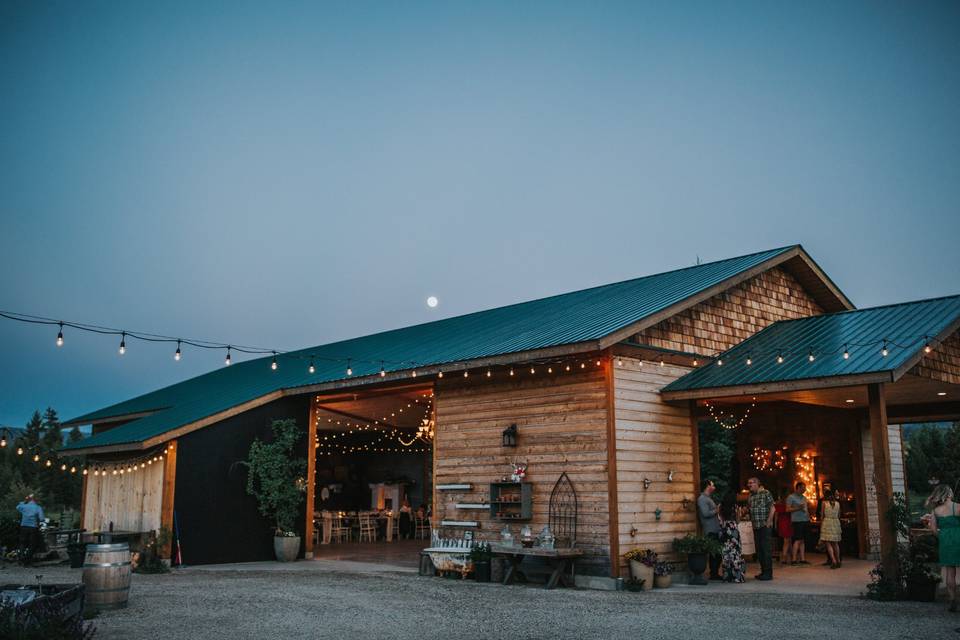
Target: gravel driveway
[{"x": 310, "y": 604}]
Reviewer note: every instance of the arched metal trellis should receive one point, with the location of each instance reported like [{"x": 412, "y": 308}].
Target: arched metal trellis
[{"x": 563, "y": 512}]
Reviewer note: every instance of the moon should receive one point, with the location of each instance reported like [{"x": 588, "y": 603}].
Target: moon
[{"x": 432, "y": 302}]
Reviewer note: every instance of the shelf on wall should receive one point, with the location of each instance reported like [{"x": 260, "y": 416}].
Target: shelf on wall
[
  {"x": 518, "y": 504},
  {"x": 454, "y": 487},
  {"x": 471, "y": 505},
  {"x": 459, "y": 523}
]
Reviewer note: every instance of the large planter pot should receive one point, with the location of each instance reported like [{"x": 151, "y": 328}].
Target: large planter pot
[
  {"x": 286, "y": 548},
  {"x": 481, "y": 571},
  {"x": 922, "y": 590},
  {"x": 662, "y": 582},
  {"x": 640, "y": 571},
  {"x": 697, "y": 564},
  {"x": 76, "y": 551}
]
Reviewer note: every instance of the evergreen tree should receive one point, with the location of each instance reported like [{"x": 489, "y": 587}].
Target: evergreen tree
[{"x": 52, "y": 430}]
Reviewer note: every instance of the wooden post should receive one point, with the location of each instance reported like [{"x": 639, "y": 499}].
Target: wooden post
[
  {"x": 860, "y": 488},
  {"x": 83, "y": 501},
  {"x": 311, "y": 478},
  {"x": 882, "y": 479},
  {"x": 613, "y": 503},
  {"x": 169, "y": 492},
  {"x": 695, "y": 443}
]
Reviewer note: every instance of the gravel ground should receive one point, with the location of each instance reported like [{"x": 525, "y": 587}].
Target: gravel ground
[{"x": 306, "y": 604}]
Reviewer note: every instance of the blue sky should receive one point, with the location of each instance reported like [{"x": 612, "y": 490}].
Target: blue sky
[{"x": 287, "y": 174}]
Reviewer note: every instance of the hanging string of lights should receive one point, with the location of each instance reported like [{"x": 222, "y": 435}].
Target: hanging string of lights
[
  {"x": 334, "y": 442},
  {"x": 729, "y": 420}
]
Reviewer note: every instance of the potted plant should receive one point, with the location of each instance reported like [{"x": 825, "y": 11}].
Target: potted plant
[
  {"x": 481, "y": 555},
  {"x": 697, "y": 548},
  {"x": 273, "y": 481},
  {"x": 661, "y": 575},
  {"x": 633, "y": 584},
  {"x": 642, "y": 562}
]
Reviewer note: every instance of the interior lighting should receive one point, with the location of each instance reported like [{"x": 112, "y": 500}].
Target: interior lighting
[
  {"x": 60, "y": 336},
  {"x": 849, "y": 400},
  {"x": 511, "y": 371},
  {"x": 19, "y": 451},
  {"x": 941, "y": 393}
]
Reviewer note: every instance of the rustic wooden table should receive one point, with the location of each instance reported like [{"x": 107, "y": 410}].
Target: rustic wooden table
[{"x": 561, "y": 562}]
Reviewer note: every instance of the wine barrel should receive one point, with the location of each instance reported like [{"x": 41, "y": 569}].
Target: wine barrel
[{"x": 106, "y": 575}]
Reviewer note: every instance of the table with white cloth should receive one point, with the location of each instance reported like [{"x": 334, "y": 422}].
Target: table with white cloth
[{"x": 747, "y": 544}]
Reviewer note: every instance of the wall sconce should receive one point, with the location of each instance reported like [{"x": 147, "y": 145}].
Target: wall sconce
[
  {"x": 510, "y": 436},
  {"x": 646, "y": 483},
  {"x": 657, "y": 513},
  {"x": 670, "y": 475},
  {"x": 633, "y": 532},
  {"x": 685, "y": 503}
]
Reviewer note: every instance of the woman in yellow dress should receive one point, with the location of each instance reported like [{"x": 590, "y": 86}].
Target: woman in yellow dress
[{"x": 830, "y": 532}]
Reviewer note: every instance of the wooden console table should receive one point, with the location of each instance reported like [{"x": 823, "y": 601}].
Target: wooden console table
[{"x": 561, "y": 562}]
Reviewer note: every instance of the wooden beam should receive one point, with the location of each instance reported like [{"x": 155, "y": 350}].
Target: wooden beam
[
  {"x": 613, "y": 501},
  {"x": 927, "y": 412},
  {"x": 169, "y": 493},
  {"x": 882, "y": 478},
  {"x": 860, "y": 489},
  {"x": 695, "y": 443},
  {"x": 311, "y": 479},
  {"x": 824, "y": 382},
  {"x": 83, "y": 502}
]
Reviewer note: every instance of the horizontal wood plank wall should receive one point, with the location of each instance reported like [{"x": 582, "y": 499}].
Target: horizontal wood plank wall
[
  {"x": 562, "y": 427},
  {"x": 653, "y": 438},
  {"x": 131, "y": 501},
  {"x": 943, "y": 363},
  {"x": 734, "y": 315}
]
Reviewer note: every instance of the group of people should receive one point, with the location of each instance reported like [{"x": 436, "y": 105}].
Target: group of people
[{"x": 790, "y": 516}]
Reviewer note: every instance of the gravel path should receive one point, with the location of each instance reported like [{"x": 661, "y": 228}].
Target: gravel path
[{"x": 300, "y": 604}]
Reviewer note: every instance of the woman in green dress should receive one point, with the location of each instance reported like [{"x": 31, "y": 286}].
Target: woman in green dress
[{"x": 946, "y": 524}]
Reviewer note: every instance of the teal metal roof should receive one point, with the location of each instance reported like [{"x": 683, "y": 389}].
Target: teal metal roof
[
  {"x": 567, "y": 319},
  {"x": 905, "y": 327}
]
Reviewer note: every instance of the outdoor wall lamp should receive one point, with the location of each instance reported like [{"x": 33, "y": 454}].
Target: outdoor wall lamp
[
  {"x": 657, "y": 513},
  {"x": 510, "y": 436},
  {"x": 685, "y": 503},
  {"x": 670, "y": 475},
  {"x": 633, "y": 532},
  {"x": 646, "y": 483}
]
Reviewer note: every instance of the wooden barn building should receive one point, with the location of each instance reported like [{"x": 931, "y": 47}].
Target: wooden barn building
[{"x": 606, "y": 385}]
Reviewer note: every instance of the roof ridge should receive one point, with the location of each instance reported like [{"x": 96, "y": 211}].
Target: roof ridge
[{"x": 773, "y": 252}]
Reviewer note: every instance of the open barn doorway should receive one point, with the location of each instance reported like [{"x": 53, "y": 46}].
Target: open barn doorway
[{"x": 373, "y": 475}]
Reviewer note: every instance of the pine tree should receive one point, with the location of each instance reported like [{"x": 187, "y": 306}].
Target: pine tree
[{"x": 52, "y": 430}]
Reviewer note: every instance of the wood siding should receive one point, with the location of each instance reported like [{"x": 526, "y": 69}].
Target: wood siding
[
  {"x": 562, "y": 427},
  {"x": 734, "y": 315},
  {"x": 897, "y": 473},
  {"x": 652, "y": 439},
  {"x": 943, "y": 363},
  {"x": 130, "y": 501}
]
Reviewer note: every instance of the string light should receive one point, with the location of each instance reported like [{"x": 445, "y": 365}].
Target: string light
[
  {"x": 350, "y": 369},
  {"x": 273, "y": 364},
  {"x": 720, "y": 362},
  {"x": 511, "y": 371},
  {"x": 884, "y": 351},
  {"x": 749, "y": 361},
  {"x": 466, "y": 373},
  {"x": 926, "y": 347},
  {"x": 846, "y": 353},
  {"x": 729, "y": 421},
  {"x": 811, "y": 357},
  {"x": 311, "y": 369},
  {"x": 440, "y": 374},
  {"x": 489, "y": 373},
  {"x": 60, "y": 336},
  {"x": 619, "y": 361},
  {"x": 176, "y": 354},
  {"x": 123, "y": 343},
  {"x": 695, "y": 362},
  {"x": 227, "y": 360},
  {"x": 779, "y": 358},
  {"x": 382, "y": 371}
]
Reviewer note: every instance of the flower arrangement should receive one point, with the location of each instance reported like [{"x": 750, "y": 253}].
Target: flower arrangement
[
  {"x": 519, "y": 471},
  {"x": 646, "y": 557}
]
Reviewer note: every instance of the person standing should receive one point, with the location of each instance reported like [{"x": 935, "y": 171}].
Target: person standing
[
  {"x": 799, "y": 519},
  {"x": 946, "y": 525},
  {"x": 761, "y": 516},
  {"x": 710, "y": 522},
  {"x": 734, "y": 567},
  {"x": 830, "y": 530},
  {"x": 31, "y": 515}
]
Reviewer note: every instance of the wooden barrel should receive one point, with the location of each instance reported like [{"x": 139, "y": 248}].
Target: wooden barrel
[{"x": 106, "y": 575}]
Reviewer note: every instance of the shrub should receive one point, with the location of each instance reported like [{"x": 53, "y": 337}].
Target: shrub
[
  {"x": 273, "y": 476},
  {"x": 692, "y": 543}
]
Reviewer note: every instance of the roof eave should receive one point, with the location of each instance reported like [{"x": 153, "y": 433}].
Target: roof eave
[{"x": 805, "y": 384}]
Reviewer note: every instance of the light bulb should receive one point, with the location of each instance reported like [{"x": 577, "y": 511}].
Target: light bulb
[
  {"x": 749, "y": 361},
  {"x": 273, "y": 363},
  {"x": 73, "y": 469},
  {"x": 488, "y": 373},
  {"x": 3, "y": 441},
  {"x": 439, "y": 374},
  {"x": 350, "y": 369},
  {"x": 123, "y": 343},
  {"x": 884, "y": 351},
  {"x": 36, "y": 457},
  {"x": 811, "y": 357},
  {"x": 846, "y": 353},
  {"x": 511, "y": 371},
  {"x": 63, "y": 467},
  {"x": 466, "y": 374},
  {"x": 695, "y": 362},
  {"x": 661, "y": 362},
  {"x": 382, "y": 371},
  {"x": 719, "y": 362},
  {"x": 779, "y": 358},
  {"x": 619, "y": 361},
  {"x": 60, "y": 336},
  {"x": 568, "y": 367},
  {"x": 19, "y": 451},
  {"x": 927, "y": 348},
  {"x": 227, "y": 361},
  {"x": 414, "y": 373},
  {"x": 532, "y": 370},
  {"x": 311, "y": 368},
  {"x": 176, "y": 354}
]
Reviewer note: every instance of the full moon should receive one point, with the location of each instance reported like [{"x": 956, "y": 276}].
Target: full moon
[{"x": 432, "y": 301}]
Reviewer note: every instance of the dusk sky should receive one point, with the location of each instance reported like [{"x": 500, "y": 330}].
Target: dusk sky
[{"x": 288, "y": 174}]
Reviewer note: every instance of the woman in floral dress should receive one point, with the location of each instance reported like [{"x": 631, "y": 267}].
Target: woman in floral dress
[{"x": 733, "y": 567}]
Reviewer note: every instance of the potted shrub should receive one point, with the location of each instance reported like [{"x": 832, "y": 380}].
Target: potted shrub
[
  {"x": 642, "y": 562},
  {"x": 661, "y": 575},
  {"x": 273, "y": 481},
  {"x": 697, "y": 548},
  {"x": 481, "y": 555},
  {"x": 633, "y": 584}
]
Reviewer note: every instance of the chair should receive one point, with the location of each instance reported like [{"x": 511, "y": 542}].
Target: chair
[
  {"x": 423, "y": 528},
  {"x": 368, "y": 528},
  {"x": 339, "y": 531}
]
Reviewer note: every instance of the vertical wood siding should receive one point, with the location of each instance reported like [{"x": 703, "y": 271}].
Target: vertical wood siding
[{"x": 131, "y": 501}]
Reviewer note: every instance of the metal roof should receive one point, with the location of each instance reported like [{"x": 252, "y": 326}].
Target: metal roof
[
  {"x": 905, "y": 328},
  {"x": 578, "y": 318}
]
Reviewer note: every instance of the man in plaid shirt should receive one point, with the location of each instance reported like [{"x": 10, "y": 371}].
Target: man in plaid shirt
[{"x": 761, "y": 515}]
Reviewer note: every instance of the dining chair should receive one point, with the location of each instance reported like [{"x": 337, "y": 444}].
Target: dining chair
[
  {"x": 368, "y": 528},
  {"x": 423, "y": 528}
]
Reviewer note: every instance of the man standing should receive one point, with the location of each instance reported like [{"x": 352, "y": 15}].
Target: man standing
[
  {"x": 799, "y": 519},
  {"x": 710, "y": 523},
  {"x": 31, "y": 515},
  {"x": 761, "y": 515}
]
